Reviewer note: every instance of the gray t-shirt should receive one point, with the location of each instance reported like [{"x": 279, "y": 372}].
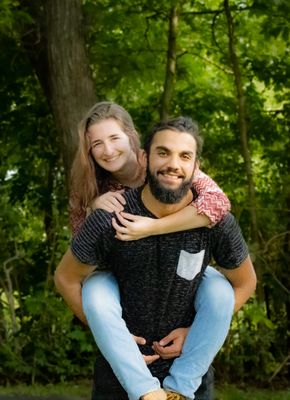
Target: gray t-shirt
[{"x": 158, "y": 276}]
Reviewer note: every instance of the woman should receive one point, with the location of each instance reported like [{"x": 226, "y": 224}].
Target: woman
[{"x": 108, "y": 161}]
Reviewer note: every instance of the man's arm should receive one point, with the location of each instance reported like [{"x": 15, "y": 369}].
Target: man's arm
[
  {"x": 243, "y": 280},
  {"x": 68, "y": 277}
]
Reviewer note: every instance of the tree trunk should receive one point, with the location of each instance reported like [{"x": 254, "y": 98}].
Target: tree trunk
[
  {"x": 55, "y": 45},
  {"x": 71, "y": 84},
  {"x": 243, "y": 128},
  {"x": 170, "y": 73}
]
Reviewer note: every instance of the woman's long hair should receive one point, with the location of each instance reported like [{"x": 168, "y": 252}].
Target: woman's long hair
[{"x": 88, "y": 179}]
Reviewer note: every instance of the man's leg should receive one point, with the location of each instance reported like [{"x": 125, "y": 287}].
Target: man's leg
[
  {"x": 101, "y": 304},
  {"x": 214, "y": 305}
]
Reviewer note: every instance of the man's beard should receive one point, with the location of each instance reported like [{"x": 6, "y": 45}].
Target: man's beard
[{"x": 165, "y": 195}]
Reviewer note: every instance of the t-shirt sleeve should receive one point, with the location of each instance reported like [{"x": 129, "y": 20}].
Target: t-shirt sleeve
[
  {"x": 93, "y": 243},
  {"x": 229, "y": 246}
]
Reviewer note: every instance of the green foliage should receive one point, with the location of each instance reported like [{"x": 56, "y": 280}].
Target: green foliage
[
  {"x": 251, "y": 330},
  {"x": 48, "y": 346}
]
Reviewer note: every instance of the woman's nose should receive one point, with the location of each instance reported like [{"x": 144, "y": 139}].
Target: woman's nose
[{"x": 108, "y": 149}]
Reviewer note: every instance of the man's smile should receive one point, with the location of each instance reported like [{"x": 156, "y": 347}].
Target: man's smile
[{"x": 170, "y": 176}]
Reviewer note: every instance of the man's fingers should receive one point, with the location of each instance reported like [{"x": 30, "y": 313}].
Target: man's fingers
[
  {"x": 139, "y": 339},
  {"x": 167, "y": 339},
  {"x": 151, "y": 359},
  {"x": 166, "y": 352},
  {"x": 162, "y": 350}
]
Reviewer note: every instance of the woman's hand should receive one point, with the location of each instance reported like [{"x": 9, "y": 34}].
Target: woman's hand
[
  {"x": 134, "y": 226},
  {"x": 110, "y": 201},
  {"x": 171, "y": 346}
]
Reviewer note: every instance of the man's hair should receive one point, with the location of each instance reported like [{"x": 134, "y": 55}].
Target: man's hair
[{"x": 179, "y": 124}]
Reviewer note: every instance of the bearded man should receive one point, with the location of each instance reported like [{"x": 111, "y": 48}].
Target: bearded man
[{"x": 158, "y": 276}]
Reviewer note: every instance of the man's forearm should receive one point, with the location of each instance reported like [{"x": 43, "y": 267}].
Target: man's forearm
[
  {"x": 242, "y": 295},
  {"x": 68, "y": 279},
  {"x": 72, "y": 295},
  {"x": 243, "y": 280}
]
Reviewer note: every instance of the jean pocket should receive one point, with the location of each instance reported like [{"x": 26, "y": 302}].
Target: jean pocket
[{"x": 189, "y": 265}]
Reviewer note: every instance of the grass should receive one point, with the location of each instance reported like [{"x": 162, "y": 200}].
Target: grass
[
  {"x": 228, "y": 392},
  {"x": 82, "y": 390}
]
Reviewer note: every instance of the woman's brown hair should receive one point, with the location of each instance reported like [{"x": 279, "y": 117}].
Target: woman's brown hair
[{"x": 88, "y": 179}]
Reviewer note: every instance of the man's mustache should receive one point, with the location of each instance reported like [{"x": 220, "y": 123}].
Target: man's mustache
[{"x": 170, "y": 170}]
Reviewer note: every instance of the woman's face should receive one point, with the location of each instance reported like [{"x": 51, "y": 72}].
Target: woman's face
[{"x": 110, "y": 146}]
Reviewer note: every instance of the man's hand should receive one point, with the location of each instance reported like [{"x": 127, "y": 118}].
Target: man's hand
[
  {"x": 171, "y": 345},
  {"x": 147, "y": 359}
]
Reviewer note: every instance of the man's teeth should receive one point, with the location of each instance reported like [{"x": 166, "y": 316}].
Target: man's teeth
[{"x": 172, "y": 176}]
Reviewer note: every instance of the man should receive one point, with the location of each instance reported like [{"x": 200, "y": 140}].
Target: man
[{"x": 158, "y": 276}]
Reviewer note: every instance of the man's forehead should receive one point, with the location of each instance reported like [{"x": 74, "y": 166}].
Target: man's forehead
[{"x": 174, "y": 139}]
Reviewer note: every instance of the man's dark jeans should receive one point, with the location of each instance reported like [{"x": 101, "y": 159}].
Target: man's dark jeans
[{"x": 107, "y": 387}]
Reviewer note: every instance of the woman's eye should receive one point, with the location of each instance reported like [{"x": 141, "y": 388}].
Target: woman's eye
[{"x": 94, "y": 145}]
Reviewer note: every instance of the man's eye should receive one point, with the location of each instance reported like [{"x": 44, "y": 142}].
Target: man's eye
[
  {"x": 186, "y": 157},
  {"x": 162, "y": 153}
]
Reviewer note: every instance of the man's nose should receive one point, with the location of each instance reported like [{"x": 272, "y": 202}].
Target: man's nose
[{"x": 173, "y": 163}]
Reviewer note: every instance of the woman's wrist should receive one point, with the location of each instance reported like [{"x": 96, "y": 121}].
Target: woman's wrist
[{"x": 156, "y": 227}]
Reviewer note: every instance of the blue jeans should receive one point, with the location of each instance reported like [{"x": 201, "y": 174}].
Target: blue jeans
[{"x": 214, "y": 304}]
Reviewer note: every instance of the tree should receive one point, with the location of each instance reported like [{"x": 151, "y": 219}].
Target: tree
[{"x": 54, "y": 41}]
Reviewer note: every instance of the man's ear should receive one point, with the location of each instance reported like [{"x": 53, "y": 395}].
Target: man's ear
[
  {"x": 196, "y": 167},
  {"x": 142, "y": 158}
]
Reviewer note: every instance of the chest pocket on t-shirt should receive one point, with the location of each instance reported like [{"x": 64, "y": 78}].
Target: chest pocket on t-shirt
[{"x": 189, "y": 265}]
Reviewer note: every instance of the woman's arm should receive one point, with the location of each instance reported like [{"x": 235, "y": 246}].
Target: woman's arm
[
  {"x": 110, "y": 201},
  {"x": 135, "y": 227},
  {"x": 211, "y": 200},
  {"x": 209, "y": 208}
]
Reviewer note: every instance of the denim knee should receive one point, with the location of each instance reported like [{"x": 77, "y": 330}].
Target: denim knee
[
  {"x": 100, "y": 295},
  {"x": 215, "y": 292}
]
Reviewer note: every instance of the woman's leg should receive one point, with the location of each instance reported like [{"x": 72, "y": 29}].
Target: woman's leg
[
  {"x": 214, "y": 305},
  {"x": 101, "y": 304}
]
